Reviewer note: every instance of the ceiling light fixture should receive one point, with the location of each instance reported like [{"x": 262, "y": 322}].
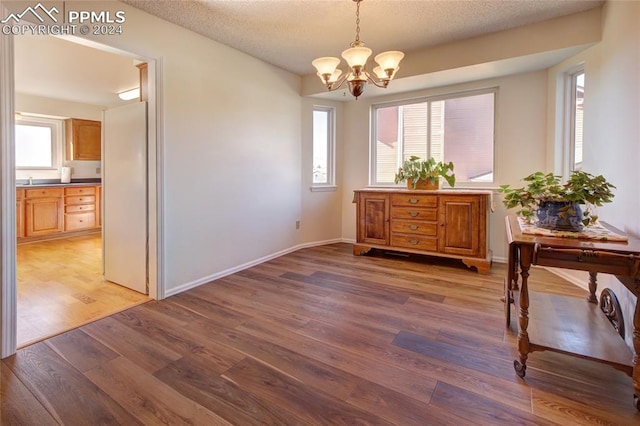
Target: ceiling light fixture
[
  {"x": 356, "y": 57},
  {"x": 127, "y": 95}
]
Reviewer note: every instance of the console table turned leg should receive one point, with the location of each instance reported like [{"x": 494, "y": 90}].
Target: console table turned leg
[
  {"x": 520, "y": 365},
  {"x": 593, "y": 286},
  {"x": 636, "y": 357}
]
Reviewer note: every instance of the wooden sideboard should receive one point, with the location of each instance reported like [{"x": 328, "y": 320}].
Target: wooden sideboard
[
  {"x": 569, "y": 325},
  {"x": 444, "y": 223}
]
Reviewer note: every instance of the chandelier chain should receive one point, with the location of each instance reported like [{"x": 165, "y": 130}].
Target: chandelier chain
[{"x": 358, "y": 20}]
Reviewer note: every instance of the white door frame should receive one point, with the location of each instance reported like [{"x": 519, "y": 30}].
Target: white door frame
[{"x": 8, "y": 291}]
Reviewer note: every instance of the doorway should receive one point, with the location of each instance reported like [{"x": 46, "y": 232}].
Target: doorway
[{"x": 9, "y": 252}]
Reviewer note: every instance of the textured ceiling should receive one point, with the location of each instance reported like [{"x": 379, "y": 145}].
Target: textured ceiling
[{"x": 291, "y": 33}]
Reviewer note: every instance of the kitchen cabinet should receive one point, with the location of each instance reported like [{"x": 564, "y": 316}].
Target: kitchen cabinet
[
  {"x": 444, "y": 223},
  {"x": 99, "y": 206},
  {"x": 56, "y": 211},
  {"x": 20, "y": 227},
  {"x": 79, "y": 208},
  {"x": 43, "y": 211},
  {"x": 83, "y": 139}
]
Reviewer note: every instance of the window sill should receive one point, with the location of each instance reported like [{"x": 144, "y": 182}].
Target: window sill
[{"x": 323, "y": 188}]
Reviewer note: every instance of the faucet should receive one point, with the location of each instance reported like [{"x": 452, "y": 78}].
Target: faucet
[{"x": 30, "y": 180}]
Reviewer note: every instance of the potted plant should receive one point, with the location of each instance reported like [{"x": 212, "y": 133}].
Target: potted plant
[
  {"x": 557, "y": 205},
  {"x": 425, "y": 174}
]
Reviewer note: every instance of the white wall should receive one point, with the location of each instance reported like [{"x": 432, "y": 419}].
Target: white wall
[
  {"x": 519, "y": 142},
  {"x": 231, "y": 149},
  {"x": 611, "y": 127},
  {"x": 321, "y": 218},
  {"x": 31, "y": 104}
]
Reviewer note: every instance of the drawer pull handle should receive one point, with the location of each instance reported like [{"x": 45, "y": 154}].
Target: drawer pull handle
[
  {"x": 414, "y": 227},
  {"x": 413, "y": 200},
  {"x": 414, "y": 242},
  {"x": 414, "y": 214}
]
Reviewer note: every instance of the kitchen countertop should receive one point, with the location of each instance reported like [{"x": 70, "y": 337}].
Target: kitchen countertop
[{"x": 41, "y": 184}]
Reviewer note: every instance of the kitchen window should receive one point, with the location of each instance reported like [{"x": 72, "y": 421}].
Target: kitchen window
[
  {"x": 38, "y": 143},
  {"x": 457, "y": 127},
  {"x": 323, "y": 148}
]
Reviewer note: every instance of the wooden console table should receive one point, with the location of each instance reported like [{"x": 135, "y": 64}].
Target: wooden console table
[{"x": 568, "y": 325}]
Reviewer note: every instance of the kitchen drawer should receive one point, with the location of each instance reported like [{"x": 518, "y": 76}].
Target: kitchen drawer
[
  {"x": 80, "y": 199},
  {"x": 79, "y": 208},
  {"x": 44, "y": 193},
  {"x": 77, "y": 221},
  {"x": 414, "y": 200},
  {"x": 414, "y": 213},
  {"x": 80, "y": 190},
  {"x": 414, "y": 227},
  {"x": 417, "y": 242}
]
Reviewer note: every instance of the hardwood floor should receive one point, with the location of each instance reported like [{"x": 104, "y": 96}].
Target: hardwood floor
[
  {"x": 61, "y": 287},
  {"x": 311, "y": 338}
]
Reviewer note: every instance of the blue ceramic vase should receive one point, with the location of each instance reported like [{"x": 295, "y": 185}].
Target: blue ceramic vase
[{"x": 560, "y": 216}]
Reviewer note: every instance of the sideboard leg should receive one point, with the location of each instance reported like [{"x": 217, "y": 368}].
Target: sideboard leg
[
  {"x": 360, "y": 250},
  {"x": 483, "y": 266}
]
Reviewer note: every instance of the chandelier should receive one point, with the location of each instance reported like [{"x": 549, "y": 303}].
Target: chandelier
[{"x": 356, "y": 57}]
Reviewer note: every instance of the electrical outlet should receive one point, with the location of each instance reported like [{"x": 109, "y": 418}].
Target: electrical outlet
[
  {"x": 297, "y": 224},
  {"x": 98, "y": 170}
]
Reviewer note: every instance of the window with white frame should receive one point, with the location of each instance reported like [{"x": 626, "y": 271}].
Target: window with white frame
[
  {"x": 38, "y": 143},
  {"x": 323, "y": 146},
  {"x": 576, "y": 119},
  {"x": 457, "y": 128}
]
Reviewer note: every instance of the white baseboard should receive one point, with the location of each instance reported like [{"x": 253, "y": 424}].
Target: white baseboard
[
  {"x": 221, "y": 274},
  {"x": 565, "y": 274},
  {"x": 187, "y": 286}
]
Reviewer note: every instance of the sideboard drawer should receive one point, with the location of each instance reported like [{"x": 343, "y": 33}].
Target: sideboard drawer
[
  {"x": 414, "y": 213},
  {"x": 418, "y": 242},
  {"x": 414, "y": 227},
  {"x": 414, "y": 200}
]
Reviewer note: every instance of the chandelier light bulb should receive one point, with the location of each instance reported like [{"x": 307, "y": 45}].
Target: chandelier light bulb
[
  {"x": 326, "y": 65},
  {"x": 389, "y": 60}
]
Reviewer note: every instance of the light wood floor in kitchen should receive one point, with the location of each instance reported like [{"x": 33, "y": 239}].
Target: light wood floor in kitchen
[{"x": 61, "y": 287}]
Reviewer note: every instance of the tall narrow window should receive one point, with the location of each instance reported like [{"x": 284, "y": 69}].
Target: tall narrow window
[
  {"x": 323, "y": 146},
  {"x": 577, "y": 114},
  {"x": 37, "y": 143},
  {"x": 458, "y": 128}
]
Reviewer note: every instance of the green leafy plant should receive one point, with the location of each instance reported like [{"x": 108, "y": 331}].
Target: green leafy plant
[
  {"x": 581, "y": 187},
  {"x": 431, "y": 170}
]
